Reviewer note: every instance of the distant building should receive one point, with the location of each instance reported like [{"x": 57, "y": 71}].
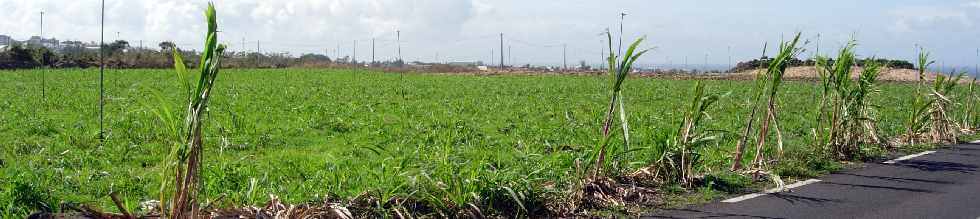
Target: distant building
[
  {"x": 51, "y": 43},
  {"x": 5, "y": 40},
  {"x": 468, "y": 64}
]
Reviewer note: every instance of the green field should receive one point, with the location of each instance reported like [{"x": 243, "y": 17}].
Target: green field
[{"x": 441, "y": 141}]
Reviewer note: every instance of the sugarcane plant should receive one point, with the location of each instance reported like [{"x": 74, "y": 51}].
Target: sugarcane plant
[
  {"x": 186, "y": 156},
  {"x": 846, "y": 118},
  {"x": 968, "y": 122},
  {"x": 681, "y": 156},
  {"x": 943, "y": 129},
  {"x": 767, "y": 87},
  {"x": 918, "y": 117},
  {"x": 619, "y": 69}
]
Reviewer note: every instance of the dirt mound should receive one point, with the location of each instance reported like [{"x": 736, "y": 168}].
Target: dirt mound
[{"x": 810, "y": 72}]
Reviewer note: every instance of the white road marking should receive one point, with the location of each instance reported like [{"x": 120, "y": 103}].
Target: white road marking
[
  {"x": 975, "y": 142},
  {"x": 906, "y": 157},
  {"x": 770, "y": 191}
]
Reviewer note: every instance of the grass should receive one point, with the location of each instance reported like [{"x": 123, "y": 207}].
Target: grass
[{"x": 498, "y": 143}]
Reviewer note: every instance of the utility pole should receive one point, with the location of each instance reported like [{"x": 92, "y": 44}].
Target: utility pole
[
  {"x": 685, "y": 63},
  {"x": 501, "y": 50},
  {"x": 41, "y": 42},
  {"x": 353, "y": 56},
  {"x": 243, "y": 46},
  {"x": 372, "y": 50},
  {"x": 398, "y": 39},
  {"x": 41, "y": 35},
  {"x": 258, "y": 50},
  {"x": 510, "y": 55},
  {"x": 602, "y": 55},
  {"x": 622, "y": 16},
  {"x": 102, "y": 72},
  {"x": 817, "y": 52},
  {"x": 564, "y": 58},
  {"x": 705, "y": 66},
  {"x": 490, "y": 61},
  {"x": 729, "y": 57}
]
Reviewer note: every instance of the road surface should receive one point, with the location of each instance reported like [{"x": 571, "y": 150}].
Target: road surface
[{"x": 939, "y": 184}]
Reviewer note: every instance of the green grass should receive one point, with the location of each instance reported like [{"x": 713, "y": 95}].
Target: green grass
[{"x": 337, "y": 134}]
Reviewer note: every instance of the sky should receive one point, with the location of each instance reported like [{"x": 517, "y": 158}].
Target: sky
[{"x": 534, "y": 31}]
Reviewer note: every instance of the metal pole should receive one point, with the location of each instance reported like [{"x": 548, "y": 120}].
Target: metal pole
[
  {"x": 501, "y": 50},
  {"x": 41, "y": 42},
  {"x": 729, "y": 58},
  {"x": 102, "y": 73},
  {"x": 372, "y": 50},
  {"x": 398, "y": 38},
  {"x": 564, "y": 56},
  {"x": 622, "y": 16},
  {"x": 353, "y": 57}
]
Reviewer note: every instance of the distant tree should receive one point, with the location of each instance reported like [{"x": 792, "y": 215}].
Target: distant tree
[
  {"x": 583, "y": 66},
  {"x": 116, "y": 47},
  {"x": 166, "y": 46},
  {"x": 314, "y": 58}
]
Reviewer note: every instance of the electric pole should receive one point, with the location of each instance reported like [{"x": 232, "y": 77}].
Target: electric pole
[
  {"x": 510, "y": 55},
  {"x": 372, "y": 50},
  {"x": 490, "y": 61},
  {"x": 817, "y": 52},
  {"x": 501, "y": 51},
  {"x": 398, "y": 39},
  {"x": 353, "y": 56},
  {"x": 622, "y": 16},
  {"x": 729, "y": 57},
  {"x": 705, "y": 62},
  {"x": 602, "y": 55},
  {"x": 564, "y": 58},
  {"x": 41, "y": 35}
]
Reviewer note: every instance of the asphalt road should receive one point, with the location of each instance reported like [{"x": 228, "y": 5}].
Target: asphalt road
[{"x": 943, "y": 184}]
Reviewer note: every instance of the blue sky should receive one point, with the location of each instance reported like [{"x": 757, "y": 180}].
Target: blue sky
[{"x": 534, "y": 31}]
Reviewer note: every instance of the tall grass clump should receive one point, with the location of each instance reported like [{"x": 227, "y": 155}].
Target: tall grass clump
[
  {"x": 681, "y": 156},
  {"x": 619, "y": 69},
  {"x": 765, "y": 98},
  {"x": 846, "y": 118},
  {"x": 186, "y": 156}
]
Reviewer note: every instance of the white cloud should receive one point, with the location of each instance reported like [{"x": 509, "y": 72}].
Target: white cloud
[{"x": 934, "y": 17}]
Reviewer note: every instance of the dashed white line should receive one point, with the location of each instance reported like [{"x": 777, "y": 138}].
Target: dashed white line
[
  {"x": 906, "y": 157},
  {"x": 769, "y": 191}
]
